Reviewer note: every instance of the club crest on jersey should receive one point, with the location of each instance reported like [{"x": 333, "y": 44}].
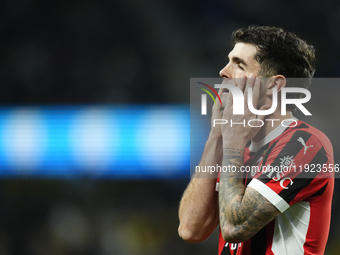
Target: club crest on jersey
[{"x": 287, "y": 162}]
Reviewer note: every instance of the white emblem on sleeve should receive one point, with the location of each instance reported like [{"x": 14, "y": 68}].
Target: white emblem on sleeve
[{"x": 305, "y": 147}]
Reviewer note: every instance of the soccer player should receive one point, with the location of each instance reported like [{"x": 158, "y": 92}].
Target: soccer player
[{"x": 264, "y": 212}]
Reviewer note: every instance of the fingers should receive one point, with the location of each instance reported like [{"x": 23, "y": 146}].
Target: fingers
[
  {"x": 220, "y": 91},
  {"x": 218, "y": 107},
  {"x": 256, "y": 91},
  {"x": 242, "y": 83},
  {"x": 263, "y": 108},
  {"x": 249, "y": 84},
  {"x": 225, "y": 98},
  {"x": 252, "y": 90}
]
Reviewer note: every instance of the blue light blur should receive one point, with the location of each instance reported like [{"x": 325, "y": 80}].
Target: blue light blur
[{"x": 95, "y": 141}]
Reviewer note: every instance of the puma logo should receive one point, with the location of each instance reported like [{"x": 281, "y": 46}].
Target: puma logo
[{"x": 300, "y": 139}]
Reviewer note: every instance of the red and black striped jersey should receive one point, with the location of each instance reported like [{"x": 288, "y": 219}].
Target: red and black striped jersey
[{"x": 294, "y": 169}]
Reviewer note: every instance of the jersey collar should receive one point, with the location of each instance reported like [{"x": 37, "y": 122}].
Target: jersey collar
[{"x": 254, "y": 146}]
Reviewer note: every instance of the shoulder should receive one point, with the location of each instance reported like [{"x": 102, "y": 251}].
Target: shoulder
[
  {"x": 303, "y": 127},
  {"x": 299, "y": 147},
  {"x": 306, "y": 135}
]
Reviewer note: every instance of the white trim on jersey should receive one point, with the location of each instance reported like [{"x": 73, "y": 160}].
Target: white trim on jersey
[
  {"x": 291, "y": 226},
  {"x": 254, "y": 146},
  {"x": 269, "y": 194},
  {"x": 290, "y": 230}
]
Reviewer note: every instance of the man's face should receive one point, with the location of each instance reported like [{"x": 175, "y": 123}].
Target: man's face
[{"x": 242, "y": 63}]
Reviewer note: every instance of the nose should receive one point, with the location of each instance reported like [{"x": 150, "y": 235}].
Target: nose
[{"x": 224, "y": 73}]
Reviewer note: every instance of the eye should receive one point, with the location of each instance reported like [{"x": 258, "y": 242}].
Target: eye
[{"x": 239, "y": 66}]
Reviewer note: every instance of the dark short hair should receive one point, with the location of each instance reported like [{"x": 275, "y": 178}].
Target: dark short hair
[{"x": 279, "y": 52}]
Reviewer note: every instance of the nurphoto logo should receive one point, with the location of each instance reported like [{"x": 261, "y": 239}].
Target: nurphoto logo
[{"x": 238, "y": 99}]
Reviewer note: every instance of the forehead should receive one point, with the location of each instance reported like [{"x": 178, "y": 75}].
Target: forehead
[{"x": 246, "y": 52}]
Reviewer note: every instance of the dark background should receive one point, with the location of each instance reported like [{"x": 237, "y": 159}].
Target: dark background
[{"x": 126, "y": 52}]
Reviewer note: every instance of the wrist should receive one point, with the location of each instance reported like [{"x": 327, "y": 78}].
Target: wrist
[
  {"x": 215, "y": 137},
  {"x": 234, "y": 143}
]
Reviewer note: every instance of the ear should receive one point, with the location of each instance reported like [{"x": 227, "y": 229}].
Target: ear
[{"x": 278, "y": 82}]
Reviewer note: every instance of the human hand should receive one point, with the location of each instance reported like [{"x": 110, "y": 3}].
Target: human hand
[
  {"x": 217, "y": 111},
  {"x": 242, "y": 128}
]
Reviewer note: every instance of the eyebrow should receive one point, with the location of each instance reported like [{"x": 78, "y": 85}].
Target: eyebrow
[{"x": 238, "y": 60}]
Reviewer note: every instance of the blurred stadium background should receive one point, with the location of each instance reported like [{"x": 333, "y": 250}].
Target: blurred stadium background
[{"x": 94, "y": 115}]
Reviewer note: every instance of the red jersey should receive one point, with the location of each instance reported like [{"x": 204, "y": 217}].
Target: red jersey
[{"x": 302, "y": 191}]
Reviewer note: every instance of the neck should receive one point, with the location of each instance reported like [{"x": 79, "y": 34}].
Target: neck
[{"x": 270, "y": 123}]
